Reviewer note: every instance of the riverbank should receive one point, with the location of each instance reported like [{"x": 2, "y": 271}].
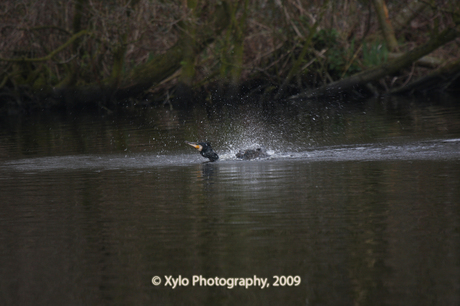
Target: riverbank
[{"x": 89, "y": 54}]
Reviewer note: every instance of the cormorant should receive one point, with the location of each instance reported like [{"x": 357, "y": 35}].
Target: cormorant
[
  {"x": 205, "y": 150},
  {"x": 252, "y": 153}
]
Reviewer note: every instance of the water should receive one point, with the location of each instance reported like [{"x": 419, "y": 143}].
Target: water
[{"x": 359, "y": 200}]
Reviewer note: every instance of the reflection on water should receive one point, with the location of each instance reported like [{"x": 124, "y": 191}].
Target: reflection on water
[
  {"x": 290, "y": 128},
  {"x": 363, "y": 207}
]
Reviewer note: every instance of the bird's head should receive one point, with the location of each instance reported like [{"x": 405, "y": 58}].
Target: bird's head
[{"x": 205, "y": 150}]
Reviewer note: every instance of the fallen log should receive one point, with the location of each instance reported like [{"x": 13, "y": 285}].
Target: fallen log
[
  {"x": 362, "y": 78},
  {"x": 440, "y": 79}
]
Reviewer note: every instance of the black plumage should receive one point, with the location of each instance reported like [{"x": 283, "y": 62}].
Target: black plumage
[
  {"x": 205, "y": 150},
  {"x": 252, "y": 153}
]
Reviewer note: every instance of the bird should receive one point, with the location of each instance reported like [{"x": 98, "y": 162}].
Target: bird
[
  {"x": 252, "y": 153},
  {"x": 205, "y": 150}
]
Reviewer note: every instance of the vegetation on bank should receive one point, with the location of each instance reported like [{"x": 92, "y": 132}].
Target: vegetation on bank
[{"x": 106, "y": 53}]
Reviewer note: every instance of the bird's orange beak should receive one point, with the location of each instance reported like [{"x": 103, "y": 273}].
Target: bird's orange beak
[{"x": 195, "y": 145}]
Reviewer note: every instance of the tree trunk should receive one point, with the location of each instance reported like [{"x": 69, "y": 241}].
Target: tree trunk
[{"x": 385, "y": 24}]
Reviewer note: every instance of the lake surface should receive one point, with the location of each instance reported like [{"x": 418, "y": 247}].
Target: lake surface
[{"x": 358, "y": 204}]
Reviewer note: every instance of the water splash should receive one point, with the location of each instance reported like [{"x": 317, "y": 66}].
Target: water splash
[{"x": 443, "y": 149}]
